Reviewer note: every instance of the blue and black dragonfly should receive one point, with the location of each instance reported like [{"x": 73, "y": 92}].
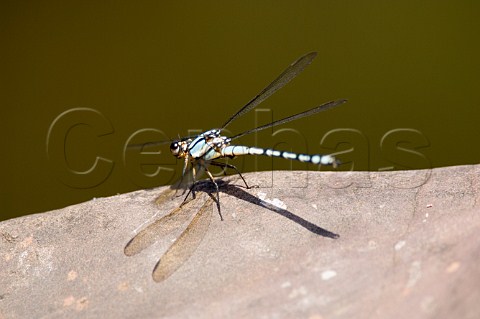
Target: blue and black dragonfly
[{"x": 207, "y": 149}]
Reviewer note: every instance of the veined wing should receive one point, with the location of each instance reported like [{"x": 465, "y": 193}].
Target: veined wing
[
  {"x": 286, "y": 76},
  {"x": 292, "y": 71},
  {"x": 312, "y": 111},
  {"x": 140, "y": 146},
  {"x": 185, "y": 245},
  {"x": 159, "y": 228}
]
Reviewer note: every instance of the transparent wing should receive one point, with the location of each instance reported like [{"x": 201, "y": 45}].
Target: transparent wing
[
  {"x": 292, "y": 71},
  {"x": 185, "y": 245},
  {"x": 159, "y": 228},
  {"x": 141, "y": 146},
  {"x": 315, "y": 110}
]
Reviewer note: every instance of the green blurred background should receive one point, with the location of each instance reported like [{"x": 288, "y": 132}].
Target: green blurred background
[{"x": 180, "y": 67}]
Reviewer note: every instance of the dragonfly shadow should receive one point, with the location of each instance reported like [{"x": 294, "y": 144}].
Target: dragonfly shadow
[
  {"x": 238, "y": 192},
  {"x": 226, "y": 187}
]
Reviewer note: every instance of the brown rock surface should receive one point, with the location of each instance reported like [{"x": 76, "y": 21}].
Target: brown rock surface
[{"x": 409, "y": 247}]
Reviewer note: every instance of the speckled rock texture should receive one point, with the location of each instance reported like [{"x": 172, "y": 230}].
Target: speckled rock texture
[{"x": 399, "y": 244}]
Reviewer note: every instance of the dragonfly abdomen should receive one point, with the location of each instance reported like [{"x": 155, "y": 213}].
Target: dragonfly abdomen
[{"x": 238, "y": 150}]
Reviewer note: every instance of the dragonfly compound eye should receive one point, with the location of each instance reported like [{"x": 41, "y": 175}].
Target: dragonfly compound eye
[{"x": 175, "y": 148}]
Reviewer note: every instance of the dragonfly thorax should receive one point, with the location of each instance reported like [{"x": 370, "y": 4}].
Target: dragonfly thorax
[{"x": 207, "y": 145}]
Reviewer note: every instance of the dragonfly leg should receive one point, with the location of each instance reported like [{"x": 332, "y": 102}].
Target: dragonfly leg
[
  {"x": 216, "y": 189},
  {"x": 223, "y": 165},
  {"x": 184, "y": 170},
  {"x": 191, "y": 188},
  {"x": 178, "y": 186},
  {"x": 189, "y": 191},
  {"x": 194, "y": 174}
]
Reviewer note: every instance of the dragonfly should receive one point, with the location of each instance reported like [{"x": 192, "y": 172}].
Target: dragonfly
[{"x": 207, "y": 149}]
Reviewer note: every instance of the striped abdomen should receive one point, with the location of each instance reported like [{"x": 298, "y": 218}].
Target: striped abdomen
[{"x": 237, "y": 150}]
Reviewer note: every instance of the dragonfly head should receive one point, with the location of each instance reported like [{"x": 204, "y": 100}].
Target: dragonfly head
[{"x": 179, "y": 148}]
